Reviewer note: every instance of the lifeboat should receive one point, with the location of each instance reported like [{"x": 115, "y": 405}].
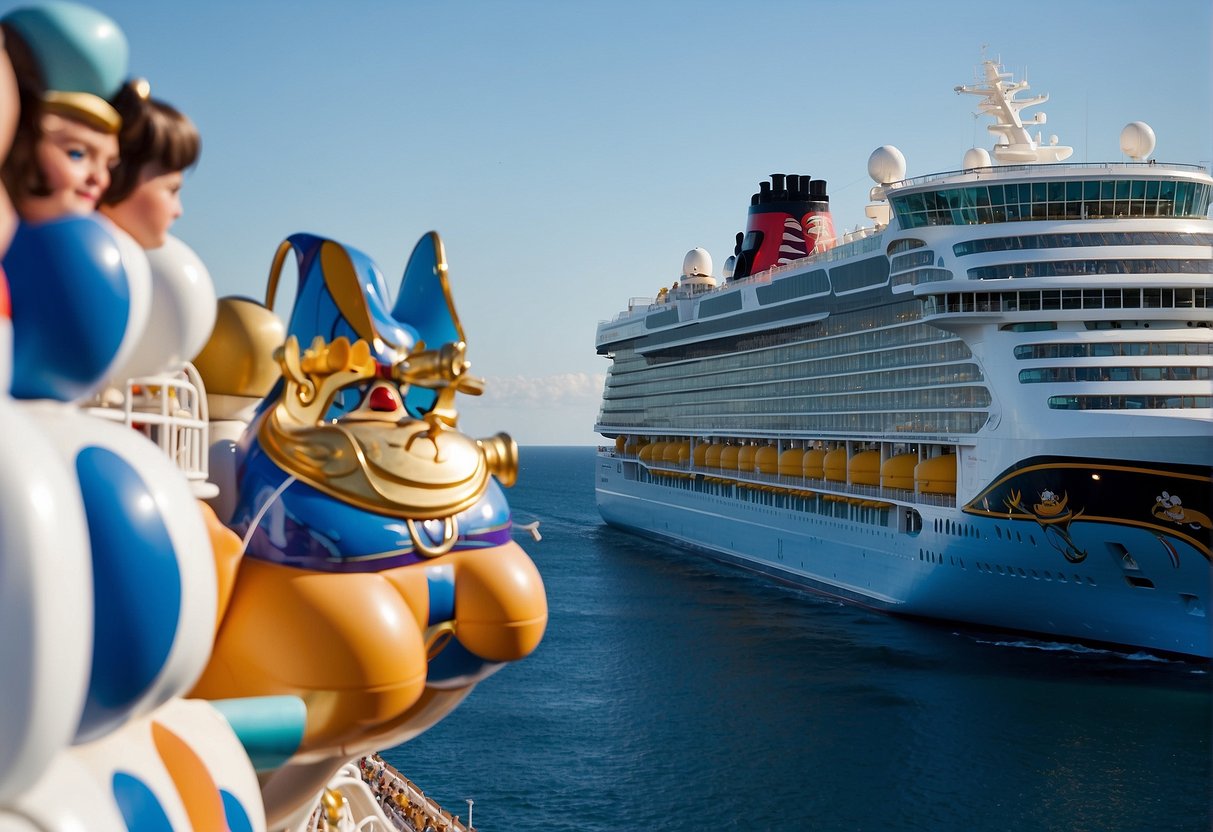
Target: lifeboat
[
  {"x": 699, "y": 456},
  {"x": 684, "y": 453},
  {"x": 790, "y": 463},
  {"x": 712, "y": 458},
  {"x": 898, "y": 471},
  {"x": 621, "y": 442},
  {"x": 767, "y": 460},
  {"x": 745, "y": 458},
  {"x": 670, "y": 452},
  {"x": 936, "y": 475},
  {"x": 728, "y": 457},
  {"x": 633, "y": 446},
  {"x": 646, "y": 453},
  {"x": 813, "y": 464},
  {"x": 836, "y": 465},
  {"x": 864, "y": 468}
]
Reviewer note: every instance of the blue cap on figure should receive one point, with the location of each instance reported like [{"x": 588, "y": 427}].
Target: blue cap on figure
[{"x": 81, "y": 53}]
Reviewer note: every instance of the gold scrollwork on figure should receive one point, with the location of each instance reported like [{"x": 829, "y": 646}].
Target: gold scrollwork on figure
[{"x": 384, "y": 461}]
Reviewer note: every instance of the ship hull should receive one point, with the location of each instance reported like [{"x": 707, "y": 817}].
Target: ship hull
[{"x": 986, "y": 571}]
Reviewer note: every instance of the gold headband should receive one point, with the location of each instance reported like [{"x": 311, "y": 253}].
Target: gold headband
[{"x": 82, "y": 106}]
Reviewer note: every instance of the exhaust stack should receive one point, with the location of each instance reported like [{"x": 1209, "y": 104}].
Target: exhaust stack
[{"x": 789, "y": 218}]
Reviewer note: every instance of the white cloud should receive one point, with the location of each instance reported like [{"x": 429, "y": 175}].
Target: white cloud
[
  {"x": 557, "y": 409},
  {"x": 551, "y": 390}
]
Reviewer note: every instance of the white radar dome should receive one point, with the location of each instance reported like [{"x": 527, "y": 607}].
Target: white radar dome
[
  {"x": 697, "y": 263},
  {"x": 976, "y": 157},
  {"x": 1137, "y": 140},
  {"x": 886, "y": 164}
]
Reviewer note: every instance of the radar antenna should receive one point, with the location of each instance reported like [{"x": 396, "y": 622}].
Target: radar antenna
[{"x": 1016, "y": 145}]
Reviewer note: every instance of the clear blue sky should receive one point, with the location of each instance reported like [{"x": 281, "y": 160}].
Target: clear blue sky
[{"x": 570, "y": 153}]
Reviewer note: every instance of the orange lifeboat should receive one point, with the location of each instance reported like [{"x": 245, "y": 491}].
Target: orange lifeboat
[
  {"x": 767, "y": 460},
  {"x": 864, "y": 468},
  {"x": 936, "y": 475},
  {"x": 790, "y": 462},
  {"x": 813, "y": 464},
  {"x": 898, "y": 471},
  {"x": 728, "y": 457},
  {"x": 836, "y": 465},
  {"x": 684, "y": 453},
  {"x": 745, "y": 458},
  {"x": 699, "y": 456},
  {"x": 712, "y": 458}
]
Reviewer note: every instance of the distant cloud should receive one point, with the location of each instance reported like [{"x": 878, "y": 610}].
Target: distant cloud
[{"x": 532, "y": 391}]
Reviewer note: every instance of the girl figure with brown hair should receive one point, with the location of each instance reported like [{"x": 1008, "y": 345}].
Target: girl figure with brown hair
[
  {"x": 156, "y": 145},
  {"x": 65, "y": 142}
]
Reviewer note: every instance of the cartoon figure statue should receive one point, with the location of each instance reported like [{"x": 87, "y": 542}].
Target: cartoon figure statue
[
  {"x": 379, "y": 578},
  {"x": 114, "y": 607},
  {"x": 366, "y": 567}
]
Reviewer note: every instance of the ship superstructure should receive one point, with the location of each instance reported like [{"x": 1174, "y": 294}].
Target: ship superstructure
[{"x": 993, "y": 406}]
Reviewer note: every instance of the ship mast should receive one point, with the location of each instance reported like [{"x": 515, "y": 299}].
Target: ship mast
[{"x": 1016, "y": 145}]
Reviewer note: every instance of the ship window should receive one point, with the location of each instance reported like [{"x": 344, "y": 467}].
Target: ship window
[
  {"x": 906, "y": 244},
  {"x": 1078, "y": 199},
  {"x": 1130, "y": 402}
]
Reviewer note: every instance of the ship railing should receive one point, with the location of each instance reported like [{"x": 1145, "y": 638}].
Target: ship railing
[
  {"x": 851, "y": 243},
  {"x": 1051, "y": 168},
  {"x": 824, "y": 486}
]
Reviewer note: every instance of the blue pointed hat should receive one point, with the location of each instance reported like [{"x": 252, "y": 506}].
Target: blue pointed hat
[{"x": 341, "y": 292}]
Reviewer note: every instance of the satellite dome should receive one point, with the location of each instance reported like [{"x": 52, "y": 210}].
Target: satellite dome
[
  {"x": 976, "y": 157},
  {"x": 1137, "y": 140},
  {"x": 886, "y": 164},
  {"x": 697, "y": 263}
]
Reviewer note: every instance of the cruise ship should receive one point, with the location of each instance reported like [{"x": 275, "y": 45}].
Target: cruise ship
[{"x": 992, "y": 406}]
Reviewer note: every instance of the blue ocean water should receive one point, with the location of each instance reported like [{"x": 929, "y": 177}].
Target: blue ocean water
[{"x": 674, "y": 693}]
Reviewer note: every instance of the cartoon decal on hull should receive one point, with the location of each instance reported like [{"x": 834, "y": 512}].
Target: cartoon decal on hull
[
  {"x": 1057, "y": 492},
  {"x": 1054, "y": 516}
]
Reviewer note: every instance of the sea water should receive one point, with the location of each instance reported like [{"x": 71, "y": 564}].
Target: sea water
[{"x": 674, "y": 693}]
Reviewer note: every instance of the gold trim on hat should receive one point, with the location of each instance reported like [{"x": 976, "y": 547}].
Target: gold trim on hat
[{"x": 82, "y": 106}]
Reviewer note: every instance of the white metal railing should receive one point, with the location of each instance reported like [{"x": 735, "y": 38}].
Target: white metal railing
[
  {"x": 824, "y": 486},
  {"x": 169, "y": 409},
  {"x": 1054, "y": 169}
]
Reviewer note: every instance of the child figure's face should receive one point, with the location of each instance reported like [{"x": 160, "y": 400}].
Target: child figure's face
[
  {"x": 75, "y": 160},
  {"x": 151, "y": 208}
]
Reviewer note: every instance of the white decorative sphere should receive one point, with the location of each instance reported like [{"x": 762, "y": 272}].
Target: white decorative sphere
[
  {"x": 1137, "y": 140},
  {"x": 886, "y": 164},
  {"x": 182, "y": 312},
  {"x": 976, "y": 157},
  {"x": 139, "y": 281},
  {"x": 697, "y": 263}
]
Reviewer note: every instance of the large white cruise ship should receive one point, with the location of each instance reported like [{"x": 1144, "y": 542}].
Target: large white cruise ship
[{"x": 994, "y": 406}]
